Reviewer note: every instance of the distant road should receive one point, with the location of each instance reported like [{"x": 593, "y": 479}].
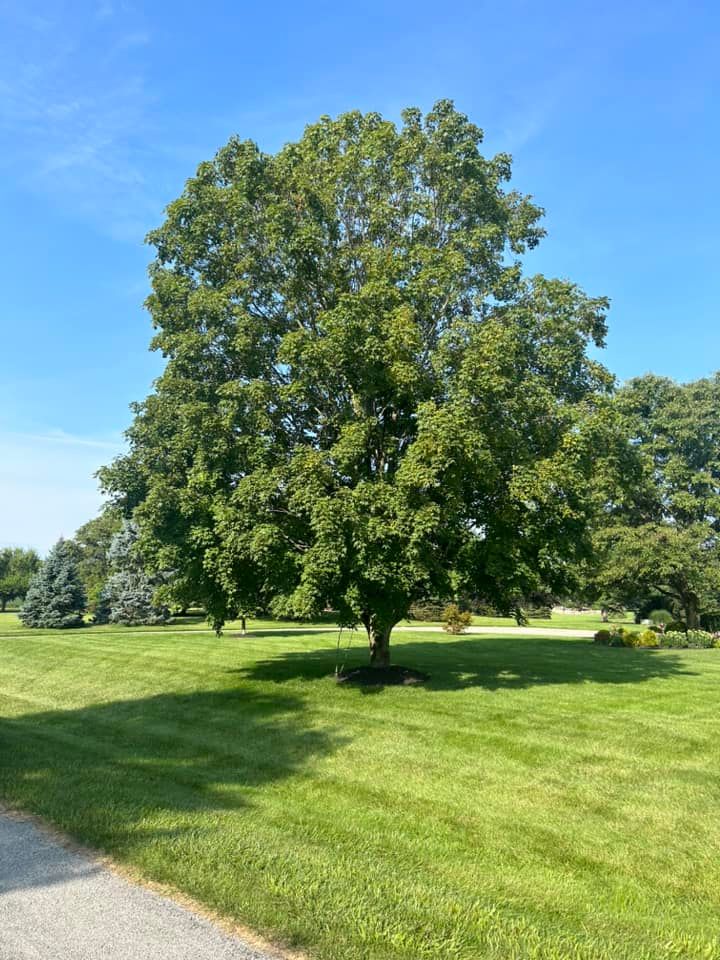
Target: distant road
[{"x": 59, "y": 905}]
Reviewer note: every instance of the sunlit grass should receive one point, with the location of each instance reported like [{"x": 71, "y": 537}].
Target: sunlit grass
[
  {"x": 543, "y": 799},
  {"x": 10, "y": 624}
]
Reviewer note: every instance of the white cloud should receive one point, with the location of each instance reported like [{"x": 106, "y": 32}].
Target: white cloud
[{"x": 47, "y": 487}]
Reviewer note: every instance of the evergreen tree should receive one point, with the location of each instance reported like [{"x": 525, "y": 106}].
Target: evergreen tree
[
  {"x": 128, "y": 595},
  {"x": 55, "y": 598},
  {"x": 92, "y": 542}
]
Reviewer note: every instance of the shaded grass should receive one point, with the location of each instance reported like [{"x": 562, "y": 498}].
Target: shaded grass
[{"x": 536, "y": 799}]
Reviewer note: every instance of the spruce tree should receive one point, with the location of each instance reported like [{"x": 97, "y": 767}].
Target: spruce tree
[
  {"x": 55, "y": 598},
  {"x": 127, "y": 597}
]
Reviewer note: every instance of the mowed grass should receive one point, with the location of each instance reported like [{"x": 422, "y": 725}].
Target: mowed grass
[
  {"x": 10, "y": 624},
  {"x": 558, "y": 621},
  {"x": 538, "y": 798}
]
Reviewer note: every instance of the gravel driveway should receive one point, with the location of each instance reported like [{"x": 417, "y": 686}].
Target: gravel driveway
[{"x": 59, "y": 905}]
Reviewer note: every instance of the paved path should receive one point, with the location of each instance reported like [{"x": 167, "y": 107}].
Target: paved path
[{"x": 58, "y": 905}]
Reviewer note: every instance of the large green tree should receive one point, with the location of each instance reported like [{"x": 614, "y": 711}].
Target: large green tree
[
  {"x": 17, "y": 567},
  {"x": 663, "y": 536},
  {"x": 364, "y": 403}
]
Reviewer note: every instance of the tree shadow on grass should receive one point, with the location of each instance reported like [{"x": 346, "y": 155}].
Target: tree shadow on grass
[
  {"x": 492, "y": 663},
  {"x": 136, "y": 772}
]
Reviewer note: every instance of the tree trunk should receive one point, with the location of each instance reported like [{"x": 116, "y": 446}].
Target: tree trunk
[
  {"x": 691, "y": 612},
  {"x": 3, "y": 604},
  {"x": 378, "y": 640},
  {"x": 242, "y": 626}
]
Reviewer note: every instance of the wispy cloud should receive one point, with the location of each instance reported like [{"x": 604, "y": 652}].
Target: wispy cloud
[
  {"x": 49, "y": 480},
  {"x": 77, "y": 123},
  {"x": 69, "y": 440}
]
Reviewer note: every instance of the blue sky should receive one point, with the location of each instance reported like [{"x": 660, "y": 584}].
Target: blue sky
[{"x": 610, "y": 111}]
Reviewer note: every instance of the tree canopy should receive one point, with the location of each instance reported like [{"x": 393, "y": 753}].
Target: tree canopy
[
  {"x": 17, "y": 567},
  {"x": 663, "y": 537},
  {"x": 365, "y": 402}
]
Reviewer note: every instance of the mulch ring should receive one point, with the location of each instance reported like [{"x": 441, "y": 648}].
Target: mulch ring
[{"x": 394, "y": 676}]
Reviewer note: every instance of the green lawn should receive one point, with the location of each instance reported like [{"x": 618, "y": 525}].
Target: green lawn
[
  {"x": 9, "y": 623},
  {"x": 539, "y": 798},
  {"x": 558, "y": 621}
]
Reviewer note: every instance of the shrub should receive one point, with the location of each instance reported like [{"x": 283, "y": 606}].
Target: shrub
[
  {"x": 692, "y": 640},
  {"x": 660, "y": 616},
  {"x": 652, "y": 602},
  {"x": 617, "y": 636},
  {"x": 455, "y": 619},
  {"x": 603, "y": 636},
  {"x": 674, "y": 639},
  {"x": 676, "y": 626},
  {"x": 647, "y": 638},
  {"x": 699, "y": 639}
]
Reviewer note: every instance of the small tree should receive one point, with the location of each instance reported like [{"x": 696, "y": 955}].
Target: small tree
[
  {"x": 455, "y": 619},
  {"x": 55, "y": 598},
  {"x": 17, "y": 567},
  {"x": 128, "y": 595}
]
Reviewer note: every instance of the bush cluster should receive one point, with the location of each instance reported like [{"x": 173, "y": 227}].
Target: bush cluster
[
  {"x": 671, "y": 639},
  {"x": 660, "y": 616},
  {"x": 620, "y": 637},
  {"x": 702, "y": 639}
]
